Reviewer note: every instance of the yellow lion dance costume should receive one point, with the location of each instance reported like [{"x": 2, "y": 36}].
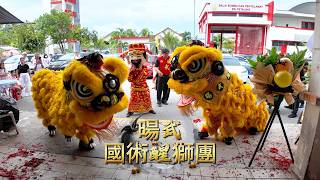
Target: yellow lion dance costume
[
  {"x": 227, "y": 103},
  {"x": 82, "y": 99}
]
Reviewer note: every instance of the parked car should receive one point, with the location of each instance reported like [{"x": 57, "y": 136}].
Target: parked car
[
  {"x": 55, "y": 57},
  {"x": 63, "y": 61},
  {"x": 244, "y": 62},
  {"x": 249, "y": 56},
  {"x": 233, "y": 65},
  {"x": 29, "y": 57},
  {"x": 11, "y": 63},
  {"x": 30, "y": 60}
]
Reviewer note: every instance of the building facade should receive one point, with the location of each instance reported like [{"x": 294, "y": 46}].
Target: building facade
[
  {"x": 258, "y": 27},
  {"x": 72, "y": 7}
]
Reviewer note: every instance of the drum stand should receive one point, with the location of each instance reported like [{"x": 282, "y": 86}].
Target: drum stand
[{"x": 267, "y": 129}]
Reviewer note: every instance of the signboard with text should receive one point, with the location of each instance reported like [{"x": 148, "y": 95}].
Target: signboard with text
[{"x": 252, "y": 8}]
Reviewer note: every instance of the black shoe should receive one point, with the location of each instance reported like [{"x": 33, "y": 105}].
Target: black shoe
[
  {"x": 289, "y": 107},
  {"x": 52, "y": 130},
  {"x": 253, "y": 131},
  {"x": 292, "y": 116},
  {"x": 129, "y": 114},
  {"x": 87, "y": 147},
  {"x": 203, "y": 135},
  {"x": 152, "y": 112},
  {"x": 68, "y": 138},
  {"x": 159, "y": 104},
  {"x": 165, "y": 103},
  {"x": 301, "y": 105},
  {"x": 228, "y": 140}
]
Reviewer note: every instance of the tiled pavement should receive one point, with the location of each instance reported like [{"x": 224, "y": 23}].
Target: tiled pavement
[
  {"x": 34, "y": 155},
  {"x": 53, "y": 158}
]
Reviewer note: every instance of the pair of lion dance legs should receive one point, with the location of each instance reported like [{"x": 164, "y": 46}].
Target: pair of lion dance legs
[
  {"x": 86, "y": 144},
  {"x": 224, "y": 126}
]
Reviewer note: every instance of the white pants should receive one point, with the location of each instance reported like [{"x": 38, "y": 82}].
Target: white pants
[{"x": 26, "y": 84}]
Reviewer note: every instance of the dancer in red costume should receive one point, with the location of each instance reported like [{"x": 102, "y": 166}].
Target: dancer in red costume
[{"x": 140, "y": 100}]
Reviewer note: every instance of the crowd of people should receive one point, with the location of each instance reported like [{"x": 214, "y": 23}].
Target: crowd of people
[{"x": 22, "y": 75}]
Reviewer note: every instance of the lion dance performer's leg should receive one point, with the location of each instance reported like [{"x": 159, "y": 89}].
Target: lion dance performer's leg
[
  {"x": 42, "y": 97},
  {"x": 258, "y": 119},
  {"x": 212, "y": 123}
]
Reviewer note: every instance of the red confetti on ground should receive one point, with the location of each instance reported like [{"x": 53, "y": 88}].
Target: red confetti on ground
[
  {"x": 283, "y": 162},
  {"x": 11, "y": 174},
  {"x": 33, "y": 163},
  {"x": 21, "y": 153},
  {"x": 222, "y": 161},
  {"x": 246, "y": 141},
  {"x": 175, "y": 177},
  {"x": 274, "y": 150},
  {"x": 38, "y": 147},
  {"x": 20, "y": 172}
]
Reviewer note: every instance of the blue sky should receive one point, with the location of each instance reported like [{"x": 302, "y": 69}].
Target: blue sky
[{"x": 105, "y": 16}]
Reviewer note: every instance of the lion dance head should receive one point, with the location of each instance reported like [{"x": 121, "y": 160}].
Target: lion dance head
[
  {"x": 228, "y": 104},
  {"x": 82, "y": 99}
]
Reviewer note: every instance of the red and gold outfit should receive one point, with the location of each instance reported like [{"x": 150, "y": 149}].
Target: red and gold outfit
[{"x": 140, "y": 100}]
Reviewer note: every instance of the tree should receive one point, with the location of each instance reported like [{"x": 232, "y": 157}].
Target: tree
[
  {"x": 130, "y": 33},
  {"x": 186, "y": 36},
  {"x": 5, "y": 35},
  {"x": 170, "y": 41},
  {"x": 27, "y": 37},
  {"x": 120, "y": 32},
  {"x": 145, "y": 32},
  {"x": 56, "y": 26},
  {"x": 100, "y": 44},
  {"x": 86, "y": 38},
  {"x": 228, "y": 45}
]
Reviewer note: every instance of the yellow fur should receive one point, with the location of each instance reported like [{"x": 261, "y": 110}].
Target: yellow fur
[
  {"x": 233, "y": 107},
  {"x": 61, "y": 108}
]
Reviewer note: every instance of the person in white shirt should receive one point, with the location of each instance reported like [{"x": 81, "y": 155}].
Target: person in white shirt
[
  {"x": 39, "y": 65},
  {"x": 45, "y": 60}
]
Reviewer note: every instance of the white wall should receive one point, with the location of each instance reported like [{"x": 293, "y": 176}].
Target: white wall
[
  {"x": 291, "y": 21},
  {"x": 287, "y": 34},
  {"x": 238, "y": 20}
]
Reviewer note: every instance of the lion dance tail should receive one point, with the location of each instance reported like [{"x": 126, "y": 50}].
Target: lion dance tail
[
  {"x": 45, "y": 85},
  {"x": 259, "y": 117}
]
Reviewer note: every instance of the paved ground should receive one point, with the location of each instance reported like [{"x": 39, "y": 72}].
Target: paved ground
[{"x": 33, "y": 154}]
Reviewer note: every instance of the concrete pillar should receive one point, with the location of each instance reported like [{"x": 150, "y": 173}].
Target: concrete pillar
[{"x": 307, "y": 156}]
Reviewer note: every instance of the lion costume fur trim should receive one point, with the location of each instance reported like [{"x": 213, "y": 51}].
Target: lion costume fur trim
[
  {"x": 232, "y": 108},
  {"x": 60, "y": 108}
]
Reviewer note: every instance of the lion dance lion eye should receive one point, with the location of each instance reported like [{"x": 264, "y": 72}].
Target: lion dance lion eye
[
  {"x": 111, "y": 83},
  {"x": 196, "y": 65},
  {"x": 81, "y": 91}
]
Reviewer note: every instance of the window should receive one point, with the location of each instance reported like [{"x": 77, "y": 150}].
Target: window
[
  {"x": 307, "y": 25},
  {"x": 69, "y": 6},
  {"x": 224, "y": 14},
  {"x": 289, "y": 43},
  {"x": 250, "y": 15}
]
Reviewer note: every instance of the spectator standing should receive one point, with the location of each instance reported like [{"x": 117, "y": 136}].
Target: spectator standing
[
  {"x": 24, "y": 77},
  {"x": 162, "y": 68},
  {"x": 298, "y": 103},
  {"x": 3, "y": 72},
  {"x": 39, "y": 65}
]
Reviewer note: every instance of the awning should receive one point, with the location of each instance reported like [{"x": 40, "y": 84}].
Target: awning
[{"x": 7, "y": 18}]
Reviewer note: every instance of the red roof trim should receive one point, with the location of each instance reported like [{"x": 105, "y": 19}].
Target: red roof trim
[
  {"x": 71, "y": 1},
  {"x": 56, "y": 2},
  {"x": 133, "y": 37}
]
